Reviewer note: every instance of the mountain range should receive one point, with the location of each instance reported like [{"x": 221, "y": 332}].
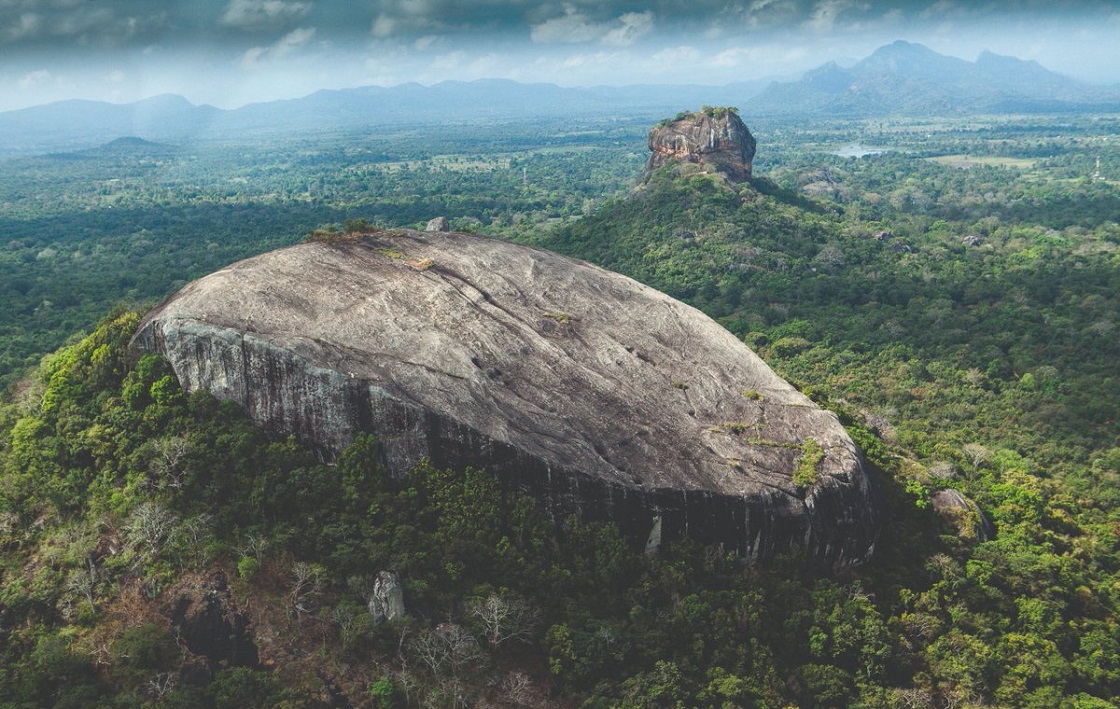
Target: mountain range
[
  {"x": 911, "y": 79},
  {"x": 897, "y": 79}
]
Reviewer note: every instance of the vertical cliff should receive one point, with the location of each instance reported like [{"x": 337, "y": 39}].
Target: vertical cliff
[{"x": 716, "y": 137}]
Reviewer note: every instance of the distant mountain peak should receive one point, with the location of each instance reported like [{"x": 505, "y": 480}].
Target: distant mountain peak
[{"x": 911, "y": 79}]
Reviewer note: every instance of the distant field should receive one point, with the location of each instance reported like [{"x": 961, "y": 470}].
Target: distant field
[{"x": 966, "y": 161}]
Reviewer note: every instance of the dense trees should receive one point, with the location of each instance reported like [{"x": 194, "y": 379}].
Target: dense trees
[{"x": 959, "y": 321}]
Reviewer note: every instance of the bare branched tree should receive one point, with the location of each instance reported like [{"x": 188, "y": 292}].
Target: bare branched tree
[
  {"x": 305, "y": 587},
  {"x": 161, "y": 684},
  {"x": 151, "y": 525},
  {"x": 518, "y": 690},
  {"x": 167, "y": 464},
  {"x": 83, "y": 583},
  {"x": 977, "y": 454},
  {"x": 504, "y": 618},
  {"x": 446, "y": 648}
]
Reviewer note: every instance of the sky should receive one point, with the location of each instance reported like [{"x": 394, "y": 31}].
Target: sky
[{"x": 229, "y": 53}]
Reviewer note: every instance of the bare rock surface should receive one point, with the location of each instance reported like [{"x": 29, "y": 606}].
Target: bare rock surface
[
  {"x": 718, "y": 138},
  {"x": 594, "y": 393}
]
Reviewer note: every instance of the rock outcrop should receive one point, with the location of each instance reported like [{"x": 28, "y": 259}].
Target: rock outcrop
[
  {"x": 438, "y": 224},
  {"x": 714, "y": 137},
  {"x": 964, "y": 514},
  {"x": 387, "y": 600},
  {"x": 595, "y": 394}
]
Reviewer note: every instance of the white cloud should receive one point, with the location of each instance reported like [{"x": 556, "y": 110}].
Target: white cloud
[
  {"x": 291, "y": 41},
  {"x": 761, "y": 13},
  {"x": 584, "y": 61},
  {"x": 383, "y": 26},
  {"x": 634, "y": 25},
  {"x": 575, "y": 27},
  {"x": 449, "y": 61},
  {"x": 730, "y": 58},
  {"x": 827, "y": 13},
  {"x": 35, "y": 78},
  {"x": 249, "y": 14},
  {"x": 283, "y": 47},
  {"x": 402, "y": 17},
  {"x": 677, "y": 55}
]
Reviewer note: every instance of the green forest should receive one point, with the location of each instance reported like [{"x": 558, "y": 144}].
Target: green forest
[{"x": 951, "y": 294}]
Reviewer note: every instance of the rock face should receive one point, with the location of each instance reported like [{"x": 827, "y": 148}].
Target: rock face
[
  {"x": 387, "y": 600},
  {"x": 717, "y": 137},
  {"x": 595, "y": 394}
]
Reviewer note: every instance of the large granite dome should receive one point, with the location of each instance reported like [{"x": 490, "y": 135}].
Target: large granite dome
[{"x": 598, "y": 395}]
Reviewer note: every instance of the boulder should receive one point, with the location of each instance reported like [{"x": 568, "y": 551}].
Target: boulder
[
  {"x": 585, "y": 389},
  {"x": 438, "y": 224},
  {"x": 713, "y": 137},
  {"x": 387, "y": 600},
  {"x": 964, "y": 514}
]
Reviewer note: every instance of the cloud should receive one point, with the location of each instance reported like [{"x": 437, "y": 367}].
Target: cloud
[
  {"x": 634, "y": 25},
  {"x": 763, "y": 13},
  {"x": 402, "y": 17},
  {"x": 291, "y": 41},
  {"x": 383, "y": 26},
  {"x": 256, "y": 14},
  {"x": 685, "y": 54},
  {"x": 281, "y": 48},
  {"x": 27, "y": 25},
  {"x": 35, "y": 78},
  {"x": 72, "y": 24},
  {"x": 827, "y": 13},
  {"x": 575, "y": 27},
  {"x": 571, "y": 28}
]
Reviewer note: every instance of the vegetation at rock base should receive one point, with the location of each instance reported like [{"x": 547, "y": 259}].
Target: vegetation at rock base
[{"x": 959, "y": 321}]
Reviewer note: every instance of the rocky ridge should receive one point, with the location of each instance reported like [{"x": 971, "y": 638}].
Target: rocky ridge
[
  {"x": 595, "y": 394},
  {"x": 712, "y": 136}
]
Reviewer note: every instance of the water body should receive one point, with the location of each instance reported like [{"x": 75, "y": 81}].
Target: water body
[{"x": 858, "y": 150}]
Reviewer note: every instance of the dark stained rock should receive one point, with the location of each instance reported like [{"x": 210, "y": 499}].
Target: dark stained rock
[
  {"x": 595, "y": 394},
  {"x": 205, "y": 617},
  {"x": 716, "y": 137}
]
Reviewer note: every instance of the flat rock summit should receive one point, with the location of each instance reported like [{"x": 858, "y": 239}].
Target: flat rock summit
[{"x": 597, "y": 395}]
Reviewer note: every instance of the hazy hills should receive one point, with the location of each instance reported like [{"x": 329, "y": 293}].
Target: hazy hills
[
  {"x": 910, "y": 79},
  {"x": 898, "y": 79}
]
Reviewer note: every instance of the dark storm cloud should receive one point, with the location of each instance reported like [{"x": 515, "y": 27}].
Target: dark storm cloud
[
  {"x": 79, "y": 23},
  {"x": 234, "y": 51},
  {"x": 82, "y": 23}
]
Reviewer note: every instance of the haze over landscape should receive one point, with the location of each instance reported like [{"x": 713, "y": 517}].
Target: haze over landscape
[{"x": 232, "y": 52}]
